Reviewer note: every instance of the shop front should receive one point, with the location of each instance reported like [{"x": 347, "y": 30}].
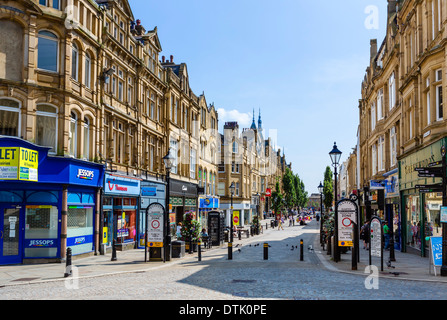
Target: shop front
[
  {"x": 47, "y": 204},
  {"x": 392, "y": 204},
  {"x": 119, "y": 210},
  {"x": 152, "y": 191},
  {"x": 420, "y": 216},
  {"x": 183, "y": 198}
]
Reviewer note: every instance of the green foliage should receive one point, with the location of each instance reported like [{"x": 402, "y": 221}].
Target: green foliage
[
  {"x": 277, "y": 197},
  {"x": 328, "y": 188},
  {"x": 190, "y": 229}
]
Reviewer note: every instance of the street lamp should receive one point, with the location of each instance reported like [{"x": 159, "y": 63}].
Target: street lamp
[
  {"x": 335, "y": 155},
  {"x": 232, "y": 188},
  {"x": 320, "y": 190},
  {"x": 169, "y": 162}
]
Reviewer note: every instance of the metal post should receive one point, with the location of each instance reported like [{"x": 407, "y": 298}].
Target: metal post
[
  {"x": 230, "y": 251},
  {"x": 114, "y": 250},
  {"x": 301, "y": 250},
  {"x": 68, "y": 264},
  {"x": 336, "y": 249},
  {"x": 355, "y": 248},
  {"x": 266, "y": 251},
  {"x": 444, "y": 203},
  {"x": 167, "y": 238},
  {"x": 199, "y": 250}
]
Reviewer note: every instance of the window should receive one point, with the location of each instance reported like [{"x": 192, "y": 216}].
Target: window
[
  {"x": 373, "y": 116},
  {"x": 74, "y": 62},
  {"x": 9, "y": 117},
  {"x": 380, "y": 105},
  {"x": 47, "y": 51},
  {"x": 235, "y": 147},
  {"x": 174, "y": 153},
  {"x": 392, "y": 91},
  {"x": 86, "y": 138},
  {"x": 236, "y": 192},
  {"x": 373, "y": 159},
  {"x": 439, "y": 100},
  {"x": 192, "y": 163},
  {"x": 73, "y": 134},
  {"x": 381, "y": 154},
  {"x": 393, "y": 146},
  {"x": 56, "y": 4},
  {"x": 88, "y": 70},
  {"x": 46, "y": 126},
  {"x": 221, "y": 189}
]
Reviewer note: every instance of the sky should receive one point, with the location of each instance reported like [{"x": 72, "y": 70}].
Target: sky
[{"x": 300, "y": 62}]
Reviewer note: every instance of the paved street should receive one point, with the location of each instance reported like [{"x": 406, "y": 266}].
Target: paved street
[{"x": 247, "y": 276}]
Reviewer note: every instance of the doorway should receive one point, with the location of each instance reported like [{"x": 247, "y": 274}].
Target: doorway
[{"x": 10, "y": 235}]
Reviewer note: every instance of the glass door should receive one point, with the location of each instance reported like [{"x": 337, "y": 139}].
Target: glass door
[{"x": 10, "y": 246}]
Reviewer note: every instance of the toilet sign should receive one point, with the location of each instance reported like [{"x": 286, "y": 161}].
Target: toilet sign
[{"x": 347, "y": 216}]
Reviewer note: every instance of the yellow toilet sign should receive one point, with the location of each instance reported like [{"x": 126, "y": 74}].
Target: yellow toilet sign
[{"x": 18, "y": 164}]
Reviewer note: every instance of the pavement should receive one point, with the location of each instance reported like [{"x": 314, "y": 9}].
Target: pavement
[{"x": 407, "y": 266}]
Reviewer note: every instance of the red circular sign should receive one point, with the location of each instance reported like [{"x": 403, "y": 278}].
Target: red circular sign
[
  {"x": 155, "y": 224},
  {"x": 235, "y": 219}
]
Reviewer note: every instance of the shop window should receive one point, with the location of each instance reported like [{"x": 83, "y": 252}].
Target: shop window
[
  {"x": 46, "y": 127},
  {"x": 41, "y": 222},
  {"x": 80, "y": 229},
  {"x": 9, "y": 117}
]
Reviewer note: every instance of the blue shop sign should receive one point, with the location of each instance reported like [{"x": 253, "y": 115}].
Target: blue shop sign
[
  {"x": 78, "y": 240},
  {"x": 209, "y": 203},
  {"x": 115, "y": 184},
  {"x": 149, "y": 191},
  {"x": 41, "y": 243}
]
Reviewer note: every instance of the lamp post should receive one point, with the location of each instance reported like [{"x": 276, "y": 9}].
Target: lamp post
[
  {"x": 335, "y": 155},
  {"x": 232, "y": 188},
  {"x": 320, "y": 189},
  {"x": 169, "y": 161}
]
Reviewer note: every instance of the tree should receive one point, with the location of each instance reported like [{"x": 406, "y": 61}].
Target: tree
[
  {"x": 289, "y": 189},
  {"x": 301, "y": 193},
  {"x": 328, "y": 189},
  {"x": 276, "y": 198}
]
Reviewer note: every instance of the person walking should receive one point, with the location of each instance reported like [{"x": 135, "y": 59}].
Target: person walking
[
  {"x": 386, "y": 234},
  {"x": 364, "y": 235},
  {"x": 280, "y": 221}
]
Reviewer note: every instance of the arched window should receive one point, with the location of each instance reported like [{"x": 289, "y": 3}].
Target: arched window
[
  {"x": 47, "y": 51},
  {"x": 86, "y": 138},
  {"x": 74, "y": 61},
  {"x": 9, "y": 117},
  {"x": 46, "y": 126},
  {"x": 88, "y": 70},
  {"x": 73, "y": 134}
]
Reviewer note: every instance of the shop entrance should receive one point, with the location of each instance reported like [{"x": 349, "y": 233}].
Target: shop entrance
[{"x": 10, "y": 246}]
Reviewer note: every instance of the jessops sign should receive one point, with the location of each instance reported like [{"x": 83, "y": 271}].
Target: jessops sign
[{"x": 18, "y": 164}]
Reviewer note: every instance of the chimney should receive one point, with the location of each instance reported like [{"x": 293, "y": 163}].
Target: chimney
[
  {"x": 163, "y": 59},
  {"x": 373, "y": 48},
  {"x": 392, "y": 7},
  {"x": 172, "y": 58}
]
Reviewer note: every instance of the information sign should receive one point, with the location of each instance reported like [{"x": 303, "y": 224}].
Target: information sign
[
  {"x": 155, "y": 216},
  {"x": 18, "y": 164},
  {"x": 347, "y": 215},
  {"x": 376, "y": 237}
]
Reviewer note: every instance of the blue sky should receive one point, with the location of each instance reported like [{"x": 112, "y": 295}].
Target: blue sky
[{"x": 300, "y": 62}]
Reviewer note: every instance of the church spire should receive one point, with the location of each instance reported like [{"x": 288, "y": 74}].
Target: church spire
[
  {"x": 253, "y": 124},
  {"x": 259, "y": 120}
]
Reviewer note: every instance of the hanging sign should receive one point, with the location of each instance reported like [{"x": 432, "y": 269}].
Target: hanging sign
[{"x": 347, "y": 216}]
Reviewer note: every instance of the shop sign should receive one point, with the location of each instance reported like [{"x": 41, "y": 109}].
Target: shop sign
[
  {"x": 443, "y": 214},
  {"x": 40, "y": 243},
  {"x": 85, "y": 174},
  {"x": 121, "y": 185},
  {"x": 347, "y": 216},
  {"x": 78, "y": 240},
  {"x": 18, "y": 164}
]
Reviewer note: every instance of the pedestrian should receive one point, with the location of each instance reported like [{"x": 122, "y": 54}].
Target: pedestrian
[
  {"x": 280, "y": 221},
  {"x": 386, "y": 234},
  {"x": 364, "y": 234}
]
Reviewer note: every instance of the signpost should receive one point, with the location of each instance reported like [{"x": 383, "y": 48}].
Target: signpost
[
  {"x": 347, "y": 215},
  {"x": 375, "y": 246},
  {"x": 154, "y": 227}
]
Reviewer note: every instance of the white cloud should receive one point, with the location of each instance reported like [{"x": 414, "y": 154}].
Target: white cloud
[{"x": 243, "y": 119}]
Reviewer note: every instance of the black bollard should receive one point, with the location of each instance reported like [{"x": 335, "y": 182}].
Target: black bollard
[
  {"x": 266, "y": 251},
  {"x": 230, "y": 251},
  {"x": 239, "y": 233},
  {"x": 68, "y": 264},
  {"x": 199, "y": 251},
  {"x": 114, "y": 250},
  {"x": 301, "y": 250}
]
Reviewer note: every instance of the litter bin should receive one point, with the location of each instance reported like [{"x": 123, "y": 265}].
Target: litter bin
[{"x": 178, "y": 249}]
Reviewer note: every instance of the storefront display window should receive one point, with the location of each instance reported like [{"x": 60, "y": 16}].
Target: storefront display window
[
  {"x": 41, "y": 231},
  {"x": 433, "y": 202},
  {"x": 80, "y": 229},
  {"x": 126, "y": 225},
  {"x": 413, "y": 222}
]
